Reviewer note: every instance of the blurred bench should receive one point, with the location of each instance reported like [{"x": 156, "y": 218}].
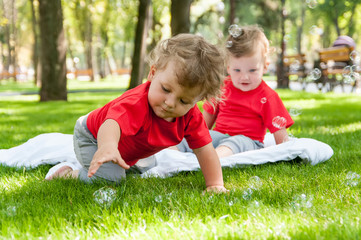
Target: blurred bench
[
  {"x": 333, "y": 63},
  {"x": 5, "y": 74},
  {"x": 83, "y": 72},
  {"x": 121, "y": 71},
  {"x": 75, "y": 73},
  {"x": 294, "y": 65}
]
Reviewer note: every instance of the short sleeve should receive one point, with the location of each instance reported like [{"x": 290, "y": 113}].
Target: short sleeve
[
  {"x": 196, "y": 131},
  {"x": 276, "y": 115},
  {"x": 211, "y": 108}
]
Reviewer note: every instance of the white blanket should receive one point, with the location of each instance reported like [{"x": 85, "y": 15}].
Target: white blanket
[{"x": 54, "y": 148}]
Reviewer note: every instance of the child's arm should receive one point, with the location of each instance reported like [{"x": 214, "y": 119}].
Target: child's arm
[
  {"x": 211, "y": 168},
  {"x": 281, "y": 136},
  {"x": 108, "y": 138},
  {"x": 209, "y": 118}
]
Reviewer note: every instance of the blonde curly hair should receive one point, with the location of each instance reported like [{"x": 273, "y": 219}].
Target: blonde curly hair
[
  {"x": 199, "y": 63},
  {"x": 245, "y": 44}
]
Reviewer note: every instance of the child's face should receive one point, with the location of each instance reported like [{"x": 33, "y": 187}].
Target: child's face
[
  {"x": 166, "y": 97},
  {"x": 246, "y": 72}
]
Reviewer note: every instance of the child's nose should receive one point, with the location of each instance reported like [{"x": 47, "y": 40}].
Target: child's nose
[
  {"x": 170, "y": 101},
  {"x": 243, "y": 76}
]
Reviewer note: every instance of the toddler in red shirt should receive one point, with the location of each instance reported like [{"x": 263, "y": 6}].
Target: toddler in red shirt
[
  {"x": 153, "y": 116},
  {"x": 248, "y": 106}
]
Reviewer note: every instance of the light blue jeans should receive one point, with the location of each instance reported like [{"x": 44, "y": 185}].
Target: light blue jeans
[
  {"x": 85, "y": 146},
  {"x": 237, "y": 144}
]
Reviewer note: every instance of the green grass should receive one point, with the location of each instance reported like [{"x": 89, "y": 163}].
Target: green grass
[{"x": 175, "y": 208}]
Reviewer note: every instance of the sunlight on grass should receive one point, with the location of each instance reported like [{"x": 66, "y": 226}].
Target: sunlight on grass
[
  {"x": 12, "y": 183},
  {"x": 346, "y": 128}
]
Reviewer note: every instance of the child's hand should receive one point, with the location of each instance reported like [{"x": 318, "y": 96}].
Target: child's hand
[
  {"x": 216, "y": 189},
  {"x": 103, "y": 155}
]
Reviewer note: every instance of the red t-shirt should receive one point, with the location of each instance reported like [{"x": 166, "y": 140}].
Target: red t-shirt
[
  {"x": 249, "y": 113},
  {"x": 142, "y": 132}
]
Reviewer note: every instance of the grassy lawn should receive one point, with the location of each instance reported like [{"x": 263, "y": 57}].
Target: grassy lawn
[{"x": 289, "y": 200}]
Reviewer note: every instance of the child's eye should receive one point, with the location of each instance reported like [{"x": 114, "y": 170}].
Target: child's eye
[
  {"x": 184, "y": 102},
  {"x": 253, "y": 70},
  {"x": 236, "y": 70},
  {"x": 165, "y": 89}
]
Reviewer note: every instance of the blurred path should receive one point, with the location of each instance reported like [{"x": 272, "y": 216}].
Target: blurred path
[{"x": 294, "y": 86}]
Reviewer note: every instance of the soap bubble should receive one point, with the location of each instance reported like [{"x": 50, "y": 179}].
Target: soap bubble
[
  {"x": 255, "y": 182},
  {"x": 301, "y": 202},
  {"x": 247, "y": 194},
  {"x": 220, "y": 6},
  {"x": 158, "y": 199},
  {"x": 312, "y": 3},
  {"x": 350, "y": 73},
  {"x": 229, "y": 44},
  {"x": 314, "y": 74},
  {"x": 287, "y": 37},
  {"x": 235, "y": 31},
  {"x": 314, "y": 30},
  {"x": 352, "y": 179},
  {"x": 279, "y": 122},
  {"x": 295, "y": 66},
  {"x": 253, "y": 205},
  {"x": 221, "y": 20},
  {"x": 105, "y": 196},
  {"x": 351, "y": 78},
  {"x": 11, "y": 211},
  {"x": 295, "y": 110},
  {"x": 355, "y": 56}
]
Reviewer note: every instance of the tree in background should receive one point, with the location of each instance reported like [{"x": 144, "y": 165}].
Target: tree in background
[
  {"x": 101, "y": 33},
  {"x": 35, "y": 26},
  {"x": 180, "y": 12},
  {"x": 282, "y": 79},
  {"x": 9, "y": 36},
  {"x": 232, "y": 8},
  {"x": 53, "y": 51},
  {"x": 341, "y": 15},
  {"x": 141, "y": 33},
  {"x": 85, "y": 26}
]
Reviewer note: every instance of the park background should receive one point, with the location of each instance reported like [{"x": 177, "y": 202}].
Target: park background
[
  {"x": 287, "y": 200},
  {"x": 50, "y": 41}
]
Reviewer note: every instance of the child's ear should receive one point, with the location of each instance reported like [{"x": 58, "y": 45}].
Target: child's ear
[
  {"x": 266, "y": 64},
  {"x": 151, "y": 73}
]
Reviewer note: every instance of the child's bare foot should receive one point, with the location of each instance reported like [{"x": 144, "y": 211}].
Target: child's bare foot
[{"x": 63, "y": 172}]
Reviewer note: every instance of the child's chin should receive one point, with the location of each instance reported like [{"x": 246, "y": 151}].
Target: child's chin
[{"x": 244, "y": 88}]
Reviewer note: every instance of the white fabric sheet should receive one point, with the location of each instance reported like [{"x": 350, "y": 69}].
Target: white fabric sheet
[{"x": 55, "y": 148}]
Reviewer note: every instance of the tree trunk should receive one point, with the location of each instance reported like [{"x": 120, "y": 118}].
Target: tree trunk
[
  {"x": 282, "y": 79},
  {"x": 180, "y": 21},
  {"x": 13, "y": 35},
  {"x": 232, "y": 10},
  {"x": 7, "y": 6},
  {"x": 7, "y": 40},
  {"x": 338, "y": 30},
  {"x": 89, "y": 46},
  {"x": 36, "y": 44},
  {"x": 300, "y": 28},
  {"x": 100, "y": 57},
  {"x": 140, "y": 44},
  {"x": 352, "y": 25},
  {"x": 53, "y": 50}
]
